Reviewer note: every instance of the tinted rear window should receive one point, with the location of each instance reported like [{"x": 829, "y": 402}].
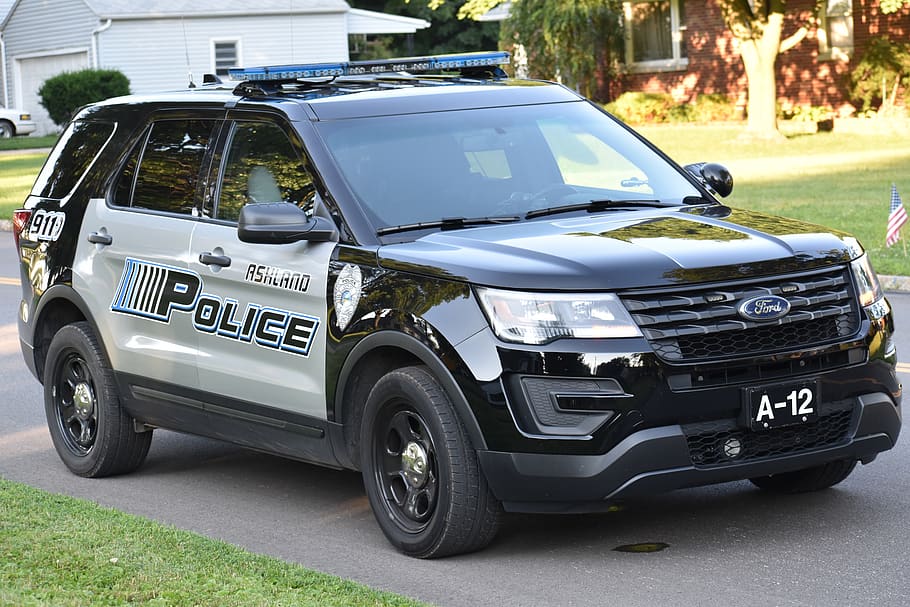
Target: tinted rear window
[{"x": 67, "y": 164}]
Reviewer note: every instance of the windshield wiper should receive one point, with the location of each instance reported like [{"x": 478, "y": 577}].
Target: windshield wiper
[
  {"x": 447, "y": 223},
  {"x": 595, "y": 205}
]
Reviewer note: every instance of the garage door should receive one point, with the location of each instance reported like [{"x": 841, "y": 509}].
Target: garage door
[{"x": 32, "y": 72}]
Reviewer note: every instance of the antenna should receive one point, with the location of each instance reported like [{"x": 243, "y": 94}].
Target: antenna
[
  {"x": 186, "y": 50},
  {"x": 291, "y": 20}
]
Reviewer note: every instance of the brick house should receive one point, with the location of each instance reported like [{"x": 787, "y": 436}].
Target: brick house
[{"x": 683, "y": 47}]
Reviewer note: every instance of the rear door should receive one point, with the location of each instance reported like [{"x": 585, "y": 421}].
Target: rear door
[
  {"x": 132, "y": 259},
  {"x": 261, "y": 316}
]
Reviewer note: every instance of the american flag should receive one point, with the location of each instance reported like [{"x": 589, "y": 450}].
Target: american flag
[{"x": 896, "y": 219}]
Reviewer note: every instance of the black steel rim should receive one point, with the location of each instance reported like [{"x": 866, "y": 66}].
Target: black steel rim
[
  {"x": 75, "y": 404},
  {"x": 406, "y": 467}
]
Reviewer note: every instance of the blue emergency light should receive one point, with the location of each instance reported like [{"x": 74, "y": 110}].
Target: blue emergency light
[{"x": 431, "y": 63}]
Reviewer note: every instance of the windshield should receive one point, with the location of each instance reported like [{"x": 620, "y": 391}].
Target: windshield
[{"x": 513, "y": 161}]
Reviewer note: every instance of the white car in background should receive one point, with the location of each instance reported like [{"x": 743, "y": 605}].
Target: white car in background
[{"x": 15, "y": 122}]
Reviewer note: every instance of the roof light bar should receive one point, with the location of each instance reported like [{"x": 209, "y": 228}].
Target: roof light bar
[{"x": 359, "y": 68}]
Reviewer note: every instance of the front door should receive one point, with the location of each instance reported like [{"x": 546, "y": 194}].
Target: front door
[{"x": 261, "y": 316}]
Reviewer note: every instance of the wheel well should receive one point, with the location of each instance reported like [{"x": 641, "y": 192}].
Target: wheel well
[
  {"x": 364, "y": 376},
  {"x": 54, "y": 316}
]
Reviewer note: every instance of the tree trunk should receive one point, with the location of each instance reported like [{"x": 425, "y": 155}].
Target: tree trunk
[
  {"x": 762, "y": 104},
  {"x": 758, "y": 25}
]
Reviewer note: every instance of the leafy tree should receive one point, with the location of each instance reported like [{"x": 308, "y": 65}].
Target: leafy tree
[
  {"x": 447, "y": 34},
  {"x": 892, "y": 6},
  {"x": 757, "y": 24},
  {"x": 65, "y": 93},
  {"x": 579, "y": 42}
]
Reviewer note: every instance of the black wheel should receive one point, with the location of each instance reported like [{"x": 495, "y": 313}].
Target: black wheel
[
  {"x": 92, "y": 434},
  {"x": 6, "y": 129},
  {"x": 810, "y": 479},
  {"x": 420, "y": 471}
]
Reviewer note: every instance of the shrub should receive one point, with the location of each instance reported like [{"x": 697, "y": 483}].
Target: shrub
[
  {"x": 884, "y": 68},
  {"x": 65, "y": 93},
  {"x": 638, "y": 107},
  {"x": 713, "y": 108},
  {"x": 660, "y": 107}
]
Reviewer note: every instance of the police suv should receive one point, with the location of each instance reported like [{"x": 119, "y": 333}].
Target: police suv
[{"x": 486, "y": 294}]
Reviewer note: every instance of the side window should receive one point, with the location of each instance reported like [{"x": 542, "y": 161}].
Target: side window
[
  {"x": 164, "y": 174},
  {"x": 78, "y": 147},
  {"x": 262, "y": 165}
]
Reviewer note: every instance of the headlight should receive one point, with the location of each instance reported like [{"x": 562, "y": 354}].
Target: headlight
[
  {"x": 539, "y": 318},
  {"x": 867, "y": 283}
]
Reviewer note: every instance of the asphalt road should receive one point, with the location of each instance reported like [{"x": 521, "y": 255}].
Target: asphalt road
[{"x": 728, "y": 544}]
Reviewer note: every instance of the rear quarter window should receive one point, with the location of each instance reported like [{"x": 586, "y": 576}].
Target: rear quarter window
[{"x": 71, "y": 158}]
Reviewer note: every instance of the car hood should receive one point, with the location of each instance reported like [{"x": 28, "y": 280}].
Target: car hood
[{"x": 623, "y": 249}]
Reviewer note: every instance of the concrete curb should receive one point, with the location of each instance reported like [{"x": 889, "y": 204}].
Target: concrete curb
[
  {"x": 889, "y": 283},
  {"x": 895, "y": 283}
]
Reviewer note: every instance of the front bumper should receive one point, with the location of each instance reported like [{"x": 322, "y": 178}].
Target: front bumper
[{"x": 655, "y": 460}]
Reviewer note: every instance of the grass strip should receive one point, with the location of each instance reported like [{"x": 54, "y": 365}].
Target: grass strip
[
  {"x": 61, "y": 551},
  {"x": 17, "y": 174},
  {"x": 26, "y": 143}
]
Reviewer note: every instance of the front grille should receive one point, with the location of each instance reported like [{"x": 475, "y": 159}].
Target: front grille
[
  {"x": 707, "y": 376},
  {"x": 707, "y": 440},
  {"x": 699, "y": 323}
]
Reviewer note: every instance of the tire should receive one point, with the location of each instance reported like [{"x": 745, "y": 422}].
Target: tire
[
  {"x": 420, "y": 470},
  {"x": 810, "y": 479},
  {"x": 6, "y": 129},
  {"x": 92, "y": 434}
]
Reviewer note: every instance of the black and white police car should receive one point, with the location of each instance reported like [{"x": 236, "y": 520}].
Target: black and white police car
[{"x": 486, "y": 294}]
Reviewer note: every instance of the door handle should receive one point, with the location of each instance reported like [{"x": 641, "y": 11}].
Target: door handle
[
  {"x": 214, "y": 260},
  {"x": 99, "y": 238}
]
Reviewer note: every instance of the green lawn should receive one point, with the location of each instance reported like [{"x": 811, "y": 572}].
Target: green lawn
[
  {"x": 840, "y": 180},
  {"x": 25, "y": 143},
  {"x": 59, "y": 551},
  {"x": 17, "y": 174}
]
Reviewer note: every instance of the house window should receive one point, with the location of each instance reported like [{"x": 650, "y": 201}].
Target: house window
[
  {"x": 225, "y": 55},
  {"x": 835, "y": 30},
  {"x": 655, "y": 35}
]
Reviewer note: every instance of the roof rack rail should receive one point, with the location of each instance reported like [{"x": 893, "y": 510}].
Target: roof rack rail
[{"x": 470, "y": 65}]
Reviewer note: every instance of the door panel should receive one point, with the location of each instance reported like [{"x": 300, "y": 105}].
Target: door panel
[
  {"x": 261, "y": 317},
  {"x": 138, "y": 290},
  {"x": 261, "y": 320}
]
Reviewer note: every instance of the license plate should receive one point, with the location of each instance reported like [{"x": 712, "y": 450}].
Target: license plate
[{"x": 782, "y": 405}]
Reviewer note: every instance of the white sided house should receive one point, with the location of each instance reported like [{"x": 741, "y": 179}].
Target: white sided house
[{"x": 165, "y": 44}]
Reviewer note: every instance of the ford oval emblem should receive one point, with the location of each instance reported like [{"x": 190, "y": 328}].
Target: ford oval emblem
[{"x": 764, "y": 307}]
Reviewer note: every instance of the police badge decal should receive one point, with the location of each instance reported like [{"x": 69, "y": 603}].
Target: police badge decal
[{"x": 347, "y": 294}]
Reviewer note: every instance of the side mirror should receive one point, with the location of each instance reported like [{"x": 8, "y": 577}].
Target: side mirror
[
  {"x": 282, "y": 223},
  {"x": 715, "y": 176}
]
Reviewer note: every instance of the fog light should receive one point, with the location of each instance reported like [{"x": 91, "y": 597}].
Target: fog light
[{"x": 733, "y": 448}]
